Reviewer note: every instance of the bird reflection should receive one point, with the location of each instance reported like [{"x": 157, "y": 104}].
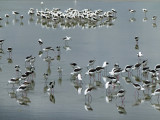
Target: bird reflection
[
  {"x": 121, "y": 109},
  {"x": 137, "y": 46},
  {"x": 12, "y": 93},
  {"x": 132, "y": 19},
  {"x": 10, "y": 60},
  {"x": 14, "y": 21},
  {"x": 7, "y": 23},
  {"x": 1, "y": 50},
  {"x": 154, "y": 25},
  {"x": 23, "y": 100},
  {"x": 109, "y": 97},
  {"x": 137, "y": 101},
  {"x": 88, "y": 107},
  {"x": 52, "y": 98},
  {"x": 45, "y": 88},
  {"x": 21, "y": 23},
  {"x": 155, "y": 105},
  {"x": 145, "y": 19},
  {"x": 40, "y": 53},
  {"x": 67, "y": 48}
]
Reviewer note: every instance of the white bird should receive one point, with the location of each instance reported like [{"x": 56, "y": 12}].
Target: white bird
[
  {"x": 67, "y": 38},
  {"x": 79, "y": 77},
  {"x": 139, "y": 54},
  {"x": 156, "y": 92}
]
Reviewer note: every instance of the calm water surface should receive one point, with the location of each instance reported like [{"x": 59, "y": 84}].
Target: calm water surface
[{"x": 103, "y": 43}]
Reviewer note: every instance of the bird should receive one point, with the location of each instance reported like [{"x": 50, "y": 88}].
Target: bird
[
  {"x": 73, "y": 64},
  {"x": 45, "y": 75},
  {"x": 7, "y": 16},
  {"x": 87, "y": 92},
  {"x": 139, "y": 54},
  {"x": 47, "y": 49},
  {"x": 40, "y": 41},
  {"x": 60, "y": 70},
  {"x": 21, "y": 88},
  {"x": 154, "y": 18},
  {"x": 156, "y": 92},
  {"x": 15, "y": 13},
  {"x": 98, "y": 70},
  {"x": 67, "y": 38},
  {"x": 51, "y": 86},
  {"x": 121, "y": 94},
  {"x": 157, "y": 67},
  {"x": 127, "y": 68},
  {"x": 145, "y": 11},
  {"x": 136, "y": 38},
  {"x": 146, "y": 83},
  {"x": 108, "y": 84},
  {"x": 137, "y": 66},
  {"x": 132, "y": 11},
  {"x": 13, "y": 81},
  {"x": 91, "y": 62},
  {"x": 9, "y": 50},
  {"x": 1, "y": 42},
  {"x": 138, "y": 87},
  {"x": 79, "y": 77}
]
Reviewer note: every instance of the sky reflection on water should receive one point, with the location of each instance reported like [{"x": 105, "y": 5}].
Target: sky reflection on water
[{"x": 106, "y": 43}]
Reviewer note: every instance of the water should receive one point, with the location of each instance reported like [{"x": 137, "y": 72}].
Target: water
[{"x": 113, "y": 44}]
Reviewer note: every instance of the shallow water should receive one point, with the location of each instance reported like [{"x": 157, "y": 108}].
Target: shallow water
[{"x": 103, "y": 43}]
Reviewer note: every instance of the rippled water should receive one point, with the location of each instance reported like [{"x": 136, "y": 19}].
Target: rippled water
[{"x": 103, "y": 43}]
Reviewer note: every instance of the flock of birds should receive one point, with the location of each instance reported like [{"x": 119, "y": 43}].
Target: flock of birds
[
  {"x": 146, "y": 79},
  {"x": 71, "y": 18}
]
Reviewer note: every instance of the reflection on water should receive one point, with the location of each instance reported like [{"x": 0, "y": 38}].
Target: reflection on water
[{"x": 97, "y": 34}]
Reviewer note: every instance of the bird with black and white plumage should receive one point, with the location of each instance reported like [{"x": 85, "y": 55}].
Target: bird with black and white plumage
[
  {"x": 27, "y": 59},
  {"x": 40, "y": 42},
  {"x": 7, "y": 16},
  {"x": 157, "y": 67},
  {"x": 132, "y": 11},
  {"x": 139, "y": 54},
  {"x": 60, "y": 70},
  {"x": 137, "y": 67},
  {"x": 156, "y": 92},
  {"x": 105, "y": 65},
  {"x": 67, "y": 38},
  {"x": 77, "y": 70},
  {"x": 87, "y": 93},
  {"x": 58, "y": 49},
  {"x": 145, "y": 11},
  {"x": 9, "y": 50},
  {"x": 146, "y": 83},
  {"x": 15, "y": 13},
  {"x": 121, "y": 94},
  {"x": 47, "y": 49},
  {"x": 1, "y": 42},
  {"x": 22, "y": 89},
  {"x": 138, "y": 87},
  {"x": 136, "y": 39},
  {"x": 91, "y": 63},
  {"x": 73, "y": 65},
  {"x": 51, "y": 86},
  {"x": 128, "y": 69},
  {"x": 18, "y": 71},
  {"x": 13, "y": 81},
  {"x": 154, "y": 18},
  {"x": 99, "y": 70},
  {"x": 45, "y": 76},
  {"x": 115, "y": 72}
]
